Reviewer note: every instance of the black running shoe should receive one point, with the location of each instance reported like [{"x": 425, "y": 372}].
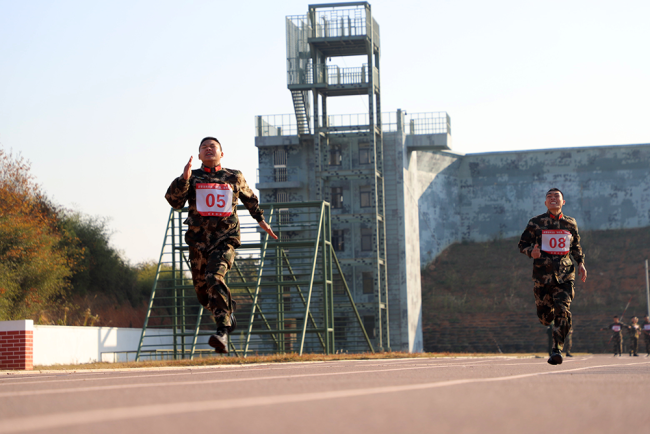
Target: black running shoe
[
  {"x": 556, "y": 357},
  {"x": 569, "y": 355},
  {"x": 219, "y": 341}
]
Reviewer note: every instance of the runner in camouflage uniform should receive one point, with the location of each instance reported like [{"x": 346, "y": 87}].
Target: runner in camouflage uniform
[
  {"x": 553, "y": 270},
  {"x": 213, "y": 230},
  {"x": 645, "y": 330}
]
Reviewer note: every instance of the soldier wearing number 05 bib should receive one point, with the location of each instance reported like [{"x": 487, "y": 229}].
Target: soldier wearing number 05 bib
[
  {"x": 551, "y": 239},
  {"x": 213, "y": 230}
]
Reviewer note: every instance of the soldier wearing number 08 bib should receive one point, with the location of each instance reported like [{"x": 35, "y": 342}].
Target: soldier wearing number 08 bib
[
  {"x": 551, "y": 239},
  {"x": 213, "y": 230}
]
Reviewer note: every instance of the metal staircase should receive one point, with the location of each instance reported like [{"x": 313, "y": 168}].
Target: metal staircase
[{"x": 301, "y": 106}]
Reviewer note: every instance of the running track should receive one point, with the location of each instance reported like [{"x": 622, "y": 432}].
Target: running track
[{"x": 590, "y": 394}]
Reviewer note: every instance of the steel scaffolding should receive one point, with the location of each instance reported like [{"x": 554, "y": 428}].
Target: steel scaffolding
[{"x": 291, "y": 294}]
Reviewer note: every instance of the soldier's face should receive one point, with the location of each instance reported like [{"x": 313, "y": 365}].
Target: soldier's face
[
  {"x": 554, "y": 200},
  {"x": 210, "y": 153}
]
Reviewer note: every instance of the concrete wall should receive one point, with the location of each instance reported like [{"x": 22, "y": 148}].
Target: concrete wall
[
  {"x": 402, "y": 234},
  {"x": 438, "y": 194},
  {"x": 73, "y": 345},
  {"x": 478, "y": 197}
]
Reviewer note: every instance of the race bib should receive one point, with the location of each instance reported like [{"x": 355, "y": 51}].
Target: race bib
[
  {"x": 214, "y": 199},
  {"x": 616, "y": 328},
  {"x": 646, "y": 327},
  {"x": 556, "y": 241}
]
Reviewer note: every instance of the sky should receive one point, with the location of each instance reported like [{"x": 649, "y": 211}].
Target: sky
[{"x": 109, "y": 99}]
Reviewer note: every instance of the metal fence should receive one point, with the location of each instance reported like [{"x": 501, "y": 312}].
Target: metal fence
[
  {"x": 414, "y": 123},
  {"x": 291, "y": 294}
]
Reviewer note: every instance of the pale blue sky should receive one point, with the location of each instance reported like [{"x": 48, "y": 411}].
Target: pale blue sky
[{"x": 108, "y": 99}]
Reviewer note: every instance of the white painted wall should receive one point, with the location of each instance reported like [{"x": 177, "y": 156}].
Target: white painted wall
[{"x": 73, "y": 345}]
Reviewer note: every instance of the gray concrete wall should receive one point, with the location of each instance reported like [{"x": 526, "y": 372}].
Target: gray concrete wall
[
  {"x": 402, "y": 237},
  {"x": 438, "y": 197},
  {"x": 478, "y": 197},
  {"x": 412, "y": 289}
]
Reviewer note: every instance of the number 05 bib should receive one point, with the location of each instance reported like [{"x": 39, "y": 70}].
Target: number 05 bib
[
  {"x": 556, "y": 241},
  {"x": 214, "y": 199}
]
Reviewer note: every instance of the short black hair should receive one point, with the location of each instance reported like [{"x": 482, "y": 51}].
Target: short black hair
[
  {"x": 555, "y": 189},
  {"x": 213, "y": 138},
  {"x": 615, "y": 316}
]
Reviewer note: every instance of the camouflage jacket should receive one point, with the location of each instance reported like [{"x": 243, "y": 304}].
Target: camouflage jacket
[
  {"x": 549, "y": 265},
  {"x": 208, "y": 231},
  {"x": 645, "y": 328},
  {"x": 617, "y": 328},
  {"x": 634, "y": 330}
]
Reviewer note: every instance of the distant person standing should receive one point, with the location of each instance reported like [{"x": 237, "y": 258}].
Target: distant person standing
[
  {"x": 551, "y": 239},
  {"x": 635, "y": 332},
  {"x": 645, "y": 330},
  {"x": 617, "y": 337}
]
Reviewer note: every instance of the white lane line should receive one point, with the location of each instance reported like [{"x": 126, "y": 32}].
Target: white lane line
[
  {"x": 22, "y": 378},
  {"x": 59, "y": 420},
  {"x": 120, "y": 377},
  {"x": 15, "y": 394},
  {"x": 252, "y": 368},
  {"x": 220, "y": 369},
  {"x": 191, "y": 383},
  {"x": 107, "y": 376}
]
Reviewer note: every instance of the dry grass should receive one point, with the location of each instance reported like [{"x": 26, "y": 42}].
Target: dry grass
[{"x": 274, "y": 358}]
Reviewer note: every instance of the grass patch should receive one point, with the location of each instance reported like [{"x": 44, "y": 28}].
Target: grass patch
[{"x": 273, "y": 358}]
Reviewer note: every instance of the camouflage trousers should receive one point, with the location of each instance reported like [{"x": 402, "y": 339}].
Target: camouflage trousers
[
  {"x": 617, "y": 341},
  {"x": 568, "y": 343},
  {"x": 634, "y": 345},
  {"x": 553, "y": 301},
  {"x": 209, "y": 270}
]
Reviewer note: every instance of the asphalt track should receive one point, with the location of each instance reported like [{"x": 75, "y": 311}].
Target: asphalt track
[{"x": 588, "y": 394}]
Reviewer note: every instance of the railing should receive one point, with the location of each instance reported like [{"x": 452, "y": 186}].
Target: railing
[
  {"x": 428, "y": 123},
  {"x": 341, "y": 22},
  {"x": 414, "y": 124},
  {"x": 276, "y": 125},
  {"x": 328, "y": 74}
]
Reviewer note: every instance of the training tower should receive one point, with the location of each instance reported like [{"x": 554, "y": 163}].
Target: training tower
[
  {"x": 364, "y": 165},
  {"x": 316, "y": 44}
]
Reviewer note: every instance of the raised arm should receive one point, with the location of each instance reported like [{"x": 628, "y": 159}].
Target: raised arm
[{"x": 177, "y": 192}]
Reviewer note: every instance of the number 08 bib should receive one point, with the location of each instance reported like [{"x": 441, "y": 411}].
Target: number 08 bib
[
  {"x": 556, "y": 241},
  {"x": 214, "y": 199}
]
